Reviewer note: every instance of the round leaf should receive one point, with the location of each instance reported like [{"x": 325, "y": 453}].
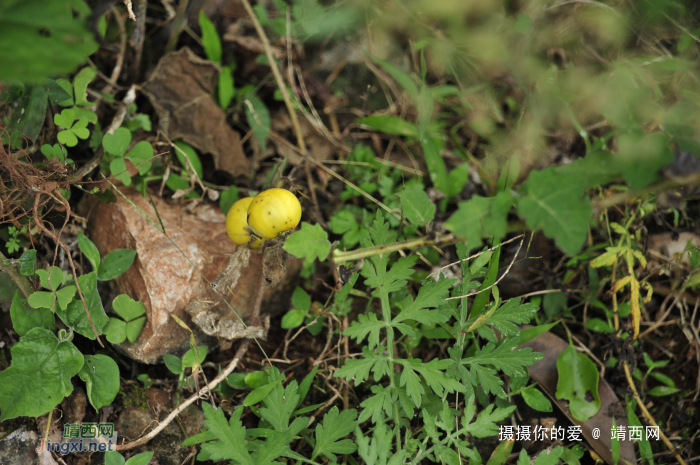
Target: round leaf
[{"x": 101, "y": 374}]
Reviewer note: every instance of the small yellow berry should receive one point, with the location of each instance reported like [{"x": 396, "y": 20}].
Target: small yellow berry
[
  {"x": 273, "y": 211},
  {"x": 236, "y": 221}
]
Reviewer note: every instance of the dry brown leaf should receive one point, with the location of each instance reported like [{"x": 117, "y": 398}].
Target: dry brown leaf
[
  {"x": 180, "y": 89},
  {"x": 545, "y": 373}
]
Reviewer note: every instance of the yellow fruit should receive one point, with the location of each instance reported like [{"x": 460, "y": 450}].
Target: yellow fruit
[
  {"x": 256, "y": 243},
  {"x": 236, "y": 221},
  {"x": 273, "y": 211}
]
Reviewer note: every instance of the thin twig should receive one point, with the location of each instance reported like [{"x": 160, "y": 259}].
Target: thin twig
[
  {"x": 122, "y": 51},
  {"x": 497, "y": 281},
  {"x": 21, "y": 281},
  {"x": 276, "y": 72},
  {"x": 178, "y": 22},
  {"x": 58, "y": 241},
  {"x": 665, "y": 185},
  {"x": 648, "y": 416},
  {"x": 191, "y": 400},
  {"x": 138, "y": 33}
]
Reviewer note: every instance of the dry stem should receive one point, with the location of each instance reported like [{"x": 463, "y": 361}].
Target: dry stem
[{"x": 190, "y": 400}]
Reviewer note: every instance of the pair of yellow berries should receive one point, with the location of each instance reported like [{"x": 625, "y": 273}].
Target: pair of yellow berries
[{"x": 266, "y": 215}]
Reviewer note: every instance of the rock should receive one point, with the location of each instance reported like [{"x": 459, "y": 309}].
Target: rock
[
  {"x": 19, "y": 448},
  {"x": 165, "y": 281},
  {"x": 136, "y": 421}
]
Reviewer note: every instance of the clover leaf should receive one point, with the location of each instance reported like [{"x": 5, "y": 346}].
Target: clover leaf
[
  {"x": 117, "y": 144},
  {"x": 118, "y": 330},
  {"x": 72, "y": 129}
]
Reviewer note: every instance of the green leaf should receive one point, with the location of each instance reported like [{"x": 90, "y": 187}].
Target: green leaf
[
  {"x": 306, "y": 385},
  {"x": 457, "y": 179},
  {"x": 231, "y": 443},
  {"x": 597, "y": 169},
  {"x": 144, "y": 458},
  {"x": 528, "y": 334},
  {"x": 115, "y": 331},
  {"x": 29, "y": 114},
  {"x": 89, "y": 249},
  {"x": 424, "y": 106},
  {"x": 118, "y": 169},
  {"x": 485, "y": 424},
  {"x": 189, "y": 358},
  {"x": 101, "y": 375},
  {"x": 41, "y": 299},
  {"x": 549, "y": 457},
  {"x": 432, "y": 294},
  {"x": 27, "y": 262},
  {"x": 366, "y": 325},
  {"x": 556, "y": 204},
  {"x": 140, "y": 155},
  {"x": 127, "y": 308},
  {"x": 191, "y": 155},
  {"x": 640, "y": 156},
  {"x": 255, "y": 379},
  {"x": 500, "y": 455},
  {"x": 476, "y": 370},
  {"x": 65, "y": 41},
  {"x": 293, "y": 319},
  {"x": 432, "y": 374},
  {"x": 644, "y": 445},
  {"x": 328, "y": 435},
  {"x": 228, "y": 198},
  {"x": 301, "y": 300},
  {"x": 115, "y": 263},
  {"x": 389, "y": 124},
  {"x": 116, "y": 144},
  {"x": 417, "y": 207},
  {"x": 114, "y": 458},
  {"x": 226, "y": 89},
  {"x": 50, "y": 279},
  {"x": 258, "y": 119},
  {"x": 40, "y": 374},
  {"x": 25, "y": 318},
  {"x": 660, "y": 391},
  {"x": 174, "y": 364},
  {"x": 522, "y": 24},
  {"x": 506, "y": 318},
  {"x": 435, "y": 163},
  {"x": 578, "y": 381},
  {"x": 175, "y": 182},
  {"x": 480, "y": 217},
  {"x": 309, "y": 242},
  {"x": 280, "y": 403},
  {"x": 402, "y": 78},
  {"x": 80, "y": 83},
  {"x": 134, "y": 328},
  {"x": 74, "y": 315},
  {"x": 599, "y": 326},
  {"x": 210, "y": 39},
  {"x": 359, "y": 368},
  {"x": 536, "y": 400},
  {"x": 258, "y": 394}
]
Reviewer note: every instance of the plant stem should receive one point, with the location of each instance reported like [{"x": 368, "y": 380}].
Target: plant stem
[
  {"x": 386, "y": 314},
  {"x": 178, "y": 22},
  {"x": 648, "y": 416},
  {"x": 22, "y": 282},
  {"x": 342, "y": 256}
]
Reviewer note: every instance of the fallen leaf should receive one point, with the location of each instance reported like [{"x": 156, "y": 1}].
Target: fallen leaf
[
  {"x": 181, "y": 89},
  {"x": 545, "y": 373}
]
